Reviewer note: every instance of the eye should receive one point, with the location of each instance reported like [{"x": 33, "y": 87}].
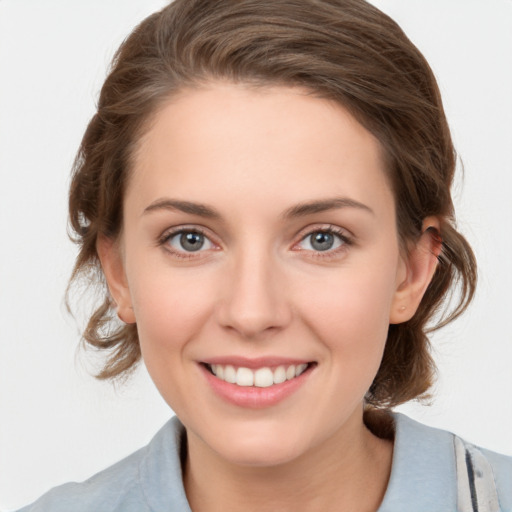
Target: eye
[
  {"x": 188, "y": 241},
  {"x": 324, "y": 240}
]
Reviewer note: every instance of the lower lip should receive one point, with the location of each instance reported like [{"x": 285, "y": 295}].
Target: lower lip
[{"x": 251, "y": 396}]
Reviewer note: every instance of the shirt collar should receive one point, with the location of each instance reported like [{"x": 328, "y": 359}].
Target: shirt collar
[{"x": 423, "y": 473}]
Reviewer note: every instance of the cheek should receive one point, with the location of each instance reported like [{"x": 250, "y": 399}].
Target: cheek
[
  {"x": 350, "y": 313},
  {"x": 170, "y": 308},
  {"x": 348, "y": 317},
  {"x": 170, "y": 311}
]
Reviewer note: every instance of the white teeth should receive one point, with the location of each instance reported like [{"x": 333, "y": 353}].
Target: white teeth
[
  {"x": 300, "y": 369},
  {"x": 279, "y": 375},
  {"x": 261, "y": 378},
  {"x": 229, "y": 374},
  {"x": 244, "y": 377}
]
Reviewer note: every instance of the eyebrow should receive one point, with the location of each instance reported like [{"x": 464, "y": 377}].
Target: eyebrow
[
  {"x": 323, "y": 205},
  {"x": 299, "y": 210},
  {"x": 199, "y": 209}
]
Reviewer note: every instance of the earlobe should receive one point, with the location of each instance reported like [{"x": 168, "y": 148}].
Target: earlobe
[
  {"x": 112, "y": 264},
  {"x": 420, "y": 266}
]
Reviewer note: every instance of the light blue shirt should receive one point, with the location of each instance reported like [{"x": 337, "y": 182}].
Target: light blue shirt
[{"x": 423, "y": 477}]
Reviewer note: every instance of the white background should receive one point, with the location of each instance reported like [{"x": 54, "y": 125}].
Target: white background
[{"x": 56, "y": 422}]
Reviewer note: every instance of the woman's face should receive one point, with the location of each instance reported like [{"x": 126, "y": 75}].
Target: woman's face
[{"x": 260, "y": 242}]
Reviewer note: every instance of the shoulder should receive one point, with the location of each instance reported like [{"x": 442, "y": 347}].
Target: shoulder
[
  {"x": 135, "y": 484},
  {"x": 108, "y": 490},
  {"x": 439, "y": 469}
]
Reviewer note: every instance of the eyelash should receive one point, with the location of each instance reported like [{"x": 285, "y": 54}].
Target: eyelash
[
  {"x": 341, "y": 234},
  {"x": 169, "y": 235}
]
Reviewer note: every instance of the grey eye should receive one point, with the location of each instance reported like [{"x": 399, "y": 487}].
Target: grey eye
[
  {"x": 189, "y": 241},
  {"x": 321, "y": 241}
]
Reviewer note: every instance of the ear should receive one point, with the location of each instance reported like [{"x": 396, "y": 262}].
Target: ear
[
  {"x": 420, "y": 265},
  {"x": 112, "y": 263}
]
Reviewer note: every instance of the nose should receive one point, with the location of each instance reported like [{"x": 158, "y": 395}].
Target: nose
[{"x": 254, "y": 299}]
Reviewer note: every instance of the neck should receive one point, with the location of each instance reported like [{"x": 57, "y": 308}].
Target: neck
[{"x": 348, "y": 471}]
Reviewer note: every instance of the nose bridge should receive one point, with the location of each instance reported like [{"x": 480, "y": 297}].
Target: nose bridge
[{"x": 254, "y": 301}]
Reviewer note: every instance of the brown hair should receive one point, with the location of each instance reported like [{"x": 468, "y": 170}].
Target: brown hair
[{"x": 343, "y": 50}]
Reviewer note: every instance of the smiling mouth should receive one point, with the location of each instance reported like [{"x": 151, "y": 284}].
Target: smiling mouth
[{"x": 262, "y": 377}]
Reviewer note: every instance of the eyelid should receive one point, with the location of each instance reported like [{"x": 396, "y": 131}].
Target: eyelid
[
  {"x": 328, "y": 228},
  {"x": 346, "y": 237},
  {"x": 170, "y": 233}
]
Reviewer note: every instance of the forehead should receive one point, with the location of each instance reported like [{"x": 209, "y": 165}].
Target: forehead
[{"x": 227, "y": 140}]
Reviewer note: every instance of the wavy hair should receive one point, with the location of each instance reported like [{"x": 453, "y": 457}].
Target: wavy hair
[{"x": 343, "y": 50}]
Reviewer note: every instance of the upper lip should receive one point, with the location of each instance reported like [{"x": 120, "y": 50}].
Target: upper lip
[{"x": 255, "y": 363}]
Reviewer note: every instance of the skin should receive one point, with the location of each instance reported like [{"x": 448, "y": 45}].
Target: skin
[{"x": 258, "y": 287}]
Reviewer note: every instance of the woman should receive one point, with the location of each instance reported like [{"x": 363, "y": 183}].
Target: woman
[{"x": 265, "y": 190}]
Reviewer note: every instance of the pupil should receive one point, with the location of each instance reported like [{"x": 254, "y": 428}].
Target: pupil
[
  {"x": 192, "y": 241},
  {"x": 322, "y": 241}
]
